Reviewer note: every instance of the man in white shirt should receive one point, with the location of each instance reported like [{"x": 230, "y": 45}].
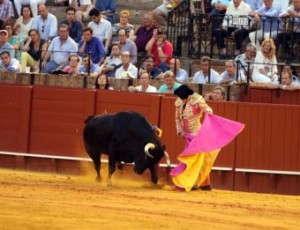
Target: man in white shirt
[
  {"x": 144, "y": 85},
  {"x": 127, "y": 70},
  {"x": 101, "y": 27},
  {"x": 45, "y": 23},
  {"x": 59, "y": 50},
  {"x": 9, "y": 64},
  {"x": 206, "y": 74}
]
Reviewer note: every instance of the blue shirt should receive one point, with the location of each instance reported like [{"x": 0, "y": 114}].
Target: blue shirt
[
  {"x": 95, "y": 48},
  {"x": 93, "y": 69},
  {"x": 222, "y": 2},
  {"x": 254, "y": 4},
  {"x": 75, "y": 30},
  {"x": 267, "y": 22}
]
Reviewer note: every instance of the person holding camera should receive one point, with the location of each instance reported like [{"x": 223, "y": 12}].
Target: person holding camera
[{"x": 160, "y": 48}]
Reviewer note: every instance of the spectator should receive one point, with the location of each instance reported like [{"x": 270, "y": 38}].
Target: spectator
[
  {"x": 144, "y": 86},
  {"x": 7, "y": 63},
  {"x": 123, "y": 24},
  {"x": 206, "y": 72},
  {"x": 161, "y": 49},
  {"x": 254, "y": 4},
  {"x": 102, "y": 82},
  {"x": 107, "y": 8},
  {"x": 294, "y": 35},
  {"x": 170, "y": 83},
  {"x": 181, "y": 74},
  {"x": 32, "y": 3},
  {"x": 148, "y": 66},
  {"x": 112, "y": 62},
  {"x": 160, "y": 13},
  {"x": 33, "y": 50},
  {"x": 101, "y": 27},
  {"x": 290, "y": 68},
  {"x": 12, "y": 39},
  {"x": 90, "y": 44},
  {"x": 217, "y": 13},
  {"x": 267, "y": 23},
  {"x": 45, "y": 23},
  {"x": 73, "y": 66},
  {"x": 218, "y": 94},
  {"x": 6, "y": 11},
  {"x": 82, "y": 7},
  {"x": 235, "y": 9},
  {"x": 127, "y": 70},
  {"x": 245, "y": 58},
  {"x": 75, "y": 27},
  {"x": 231, "y": 75},
  {"x": 59, "y": 50},
  {"x": 4, "y": 45},
  {"x": 144, "y": 32},
  {"x": 265, "y": 67},
  {"x": 23, "y": 23},
  {"x": 88, "y": 67},
  {"x": 281, "y": 5},
  {"x": 287, "y": 82},
  {"x": 127, "y": 45}
]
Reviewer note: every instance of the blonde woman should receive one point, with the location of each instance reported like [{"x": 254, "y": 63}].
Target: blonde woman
[{"x": 265, "y": 63}]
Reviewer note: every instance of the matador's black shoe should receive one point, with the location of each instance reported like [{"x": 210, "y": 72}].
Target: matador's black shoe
[{"x": 206, "y": 187}]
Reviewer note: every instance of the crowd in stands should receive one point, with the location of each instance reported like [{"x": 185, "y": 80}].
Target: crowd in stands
[{"x": 90, "y": 41}]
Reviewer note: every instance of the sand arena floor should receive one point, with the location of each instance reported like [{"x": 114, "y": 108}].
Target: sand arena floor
[{"x": 30, "y": 200}]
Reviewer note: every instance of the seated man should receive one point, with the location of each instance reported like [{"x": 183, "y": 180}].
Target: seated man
[
  {"x": 4, "y": 45},
  {"x": 218, "y": 10},
  {"x": 287, "y": 82},
  {"x": 206, "y": 74},
  {"x": 75, "y": 27},
  {"x": 127, "y": 70},
  {"x": 82, "y": 7},
  {"x": 235, "y": 24},
  {"x": 7, "y": 63},
  {"x": 170, "y": 83},
  {"x": 181, "y": 74},
  {"x": 127, "y": 45},
  {"x": 230, "y": 75},
  {"x": 148, "y": 66},
  {"x": 218, "y": 94},
  {"x": 88, "y": 67},
  {"x": 245, "y": 58},
  {"x": 112, "y": 62},
  {"x": 144, "y": 85},
  {"x": 91, "y": 45},
  {"x": 59, "y": 50},
  {"x": 293, "y": 12}
]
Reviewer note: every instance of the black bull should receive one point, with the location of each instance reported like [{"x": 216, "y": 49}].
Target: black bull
[{"x": 126, "y": 137}]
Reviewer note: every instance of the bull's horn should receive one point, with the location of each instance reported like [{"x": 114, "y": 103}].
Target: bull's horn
[
  {"x": 147, "y": 147},
  {"x": 167, "y": 159}
]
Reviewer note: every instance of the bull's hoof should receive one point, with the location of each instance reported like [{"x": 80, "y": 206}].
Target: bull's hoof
[
  {"x": 109, "y": 184},
  {"x": 98, "y": 179}
]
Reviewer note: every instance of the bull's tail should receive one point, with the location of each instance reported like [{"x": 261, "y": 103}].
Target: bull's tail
[{"x": 88, "y": 119}]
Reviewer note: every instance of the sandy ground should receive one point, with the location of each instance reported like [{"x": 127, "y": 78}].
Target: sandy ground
[{"x": 31, "y": 200}]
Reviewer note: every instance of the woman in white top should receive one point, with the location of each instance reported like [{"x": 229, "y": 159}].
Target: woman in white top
[
  {"x": 265, "y": 63},
  {"x": 23, "y": 23}
]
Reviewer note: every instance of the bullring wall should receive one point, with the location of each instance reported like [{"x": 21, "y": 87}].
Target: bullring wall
[{"x": 49, "y": 121}]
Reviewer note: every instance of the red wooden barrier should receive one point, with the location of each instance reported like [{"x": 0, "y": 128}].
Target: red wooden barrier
[
  {"x": 270, "y": 141},
  {"x": 57, "y": 120},
  {"x": 15, "y": 108}
]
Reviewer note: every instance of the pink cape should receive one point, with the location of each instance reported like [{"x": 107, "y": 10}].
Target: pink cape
[{"x": 215, "y": 133}]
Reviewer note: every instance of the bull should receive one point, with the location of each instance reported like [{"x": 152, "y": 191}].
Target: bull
[{"x": 124, "y": 137}]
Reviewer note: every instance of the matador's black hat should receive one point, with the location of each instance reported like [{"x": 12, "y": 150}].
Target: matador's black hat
[{"x": 183, "y": 92}]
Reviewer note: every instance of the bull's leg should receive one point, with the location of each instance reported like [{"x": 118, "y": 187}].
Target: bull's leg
[
  {"x": 153, "y": 171},
  {"x": 111, "y": 168},
  {"x": 97, "y": 164},
  {"x": 120, "y": 166}
]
